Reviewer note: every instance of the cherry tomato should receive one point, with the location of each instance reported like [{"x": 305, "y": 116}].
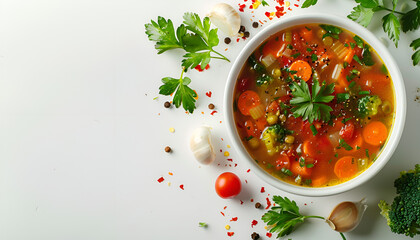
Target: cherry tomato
[
  {"x": 347, "y": 132},
  {"x": 228, "y": 185},
  {"x": 244, "y": 84}
]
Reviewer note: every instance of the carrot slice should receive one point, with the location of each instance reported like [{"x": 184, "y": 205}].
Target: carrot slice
[
  {"x": 375, "y": 133},
  {"x": 302, "y": 171},
  {"x": 345, "y": 167},
  {"x": 273, "y": 107},
  {"x": 302, "y": 68},
  {"x": 248, "y": 100},
  {"x": 319, "y": 181}
]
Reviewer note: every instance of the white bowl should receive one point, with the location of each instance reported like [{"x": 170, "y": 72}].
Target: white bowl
[{"x": 400, "y": 102}]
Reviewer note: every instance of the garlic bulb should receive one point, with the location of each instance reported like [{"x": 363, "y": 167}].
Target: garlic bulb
[
  {"x": 201, "y": 146},
  {"x": 225, "y": 17},
  {"x": 346, "y": 215}
]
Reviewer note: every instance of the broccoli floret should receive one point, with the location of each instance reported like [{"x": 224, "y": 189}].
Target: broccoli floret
[
  {"x": 403, "y": 215},
  {"x": 367, "y": 106},
  {"x": 279, "y": 132}
]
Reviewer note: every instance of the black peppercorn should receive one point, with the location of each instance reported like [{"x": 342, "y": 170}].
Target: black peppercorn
[
  {"x": 167, "y": 104},
  {"x": 255, "y": 24},
  {"x": 227, "y": 40}
]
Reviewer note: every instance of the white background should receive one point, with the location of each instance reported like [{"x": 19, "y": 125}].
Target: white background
[{"x": 82, "y": 137}]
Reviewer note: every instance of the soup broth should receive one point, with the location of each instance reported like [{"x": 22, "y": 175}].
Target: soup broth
[{"x": 314, "y": 105}]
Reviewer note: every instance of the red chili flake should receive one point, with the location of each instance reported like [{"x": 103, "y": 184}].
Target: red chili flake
[
  {"x": 241, "y": 7},
  {"x": 224, "y": 208},
  {"x": 181, "y": 186},
  {"x": 221, "y": 150},
  {"x": 161, "y": 179},
  {"x": 268, "y": 203},
  {"x": 262, "y": 190},
  {"x": 198, "y": 68},
  {"x": 248, "y": 170},
  {"x": 252, "y": 200},
  {"x": 212, "y": 113},
  {"x": 208, "y": 94},
  {"x": 221, "y": 138},
  {"x": 246, "y": 181},
  {"x": 242, "y": 202},
  {"x": 296, "y": 5},
  {"x": 236, "y": 164},
  {"x": 234, "y": 219},
  {"x": 254, "y": 222},
  {"x": 251, "y": 7},
  {"x": 230, "y": 159},
  {"x": 222, "y": 214},
  {"x": 230, "y": 234},
  {"x": 305, "y": 204},
  {"x": 267, "y": 14},
  {"x": 269, "y": 234}
]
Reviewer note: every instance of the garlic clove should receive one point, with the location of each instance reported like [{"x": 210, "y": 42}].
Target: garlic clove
[
  {"x": 201, "y": 146},
  {"x": 225, "y": 17},
  {"x": 346, "y": 215}
]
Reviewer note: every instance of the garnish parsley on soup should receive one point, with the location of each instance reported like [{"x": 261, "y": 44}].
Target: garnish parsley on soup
[{"x": 314, "y": 105}]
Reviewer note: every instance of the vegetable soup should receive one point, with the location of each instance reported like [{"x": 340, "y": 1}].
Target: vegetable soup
[{"x": 314, "y": 105}]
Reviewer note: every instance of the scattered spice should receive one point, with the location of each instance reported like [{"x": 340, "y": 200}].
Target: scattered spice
[
  {"x": 262, "y": 190},
  {"x": 202, "y": 224},
  {"x": 268, "y": 203},
  {"x": 269, "y": 234},
  {"x": 211, "y": 106},
  {"x": 161, "y": 179},
  {"x": 248, "y": 170},
  {"x": 212, "y": 113},
  {"x": 226, "y": 154},
  {"x": 255, "y": 24},
  {"x": 246, "y": 34},
  {"x": 254, "y": 222},
  {"x": 234, "y": 219},
  {"x": 241, "y": 29},
  {"x": 208, "y": 94},
  {"x": 255, "y": 236},
  {"x": 167, "y": 104},
  {"x": 230, "y": 234},
  {"x": 198, "y": 68},
  {"x": 227, "y": 227},
  {"x": 222, "y": 214},
  {"x": 168, "y": 149},
  {"x": 258, "y": 205},
  {"x": 227, "y": 40},
  {"x": 181, "y": 186}
]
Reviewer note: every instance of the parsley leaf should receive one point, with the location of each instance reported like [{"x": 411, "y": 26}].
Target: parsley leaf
[
  {"x": 411, "y": 20},
  {"x": 368, "y": 3},
  {"x": 361, "y": 15},
  {"x": 162, "y": 32},
  {"x": 264, "y": 3},
  {"x": 198, "y": 44},
  {"x": 358, "y": 41},
  {"x": 183, "y": 94},
  {"x": 392, "y": 27},
  {"x": 308, "y": 3},
  {"x": 367, "y": 56},
  {"x": 311, "y": 107},
  {"x": 416, "y": 56},
  {"x": 284, "y": 216},
  {"x": 332, "y": 31},
  {"x": 202, "y": 224},
  {"x": 344, "y": 144}
]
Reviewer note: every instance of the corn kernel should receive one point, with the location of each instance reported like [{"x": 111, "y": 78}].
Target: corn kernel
[
  {"x": 272, "y": 119},
  {"x": 287, "y": 4},
  {"x": 226, "y": 154},
  {"x": 227, "y": 227},
  {"x": 172, "y": 130},
  {"x": 254, "y": 143},
  {"x": 289, "y": 139}
]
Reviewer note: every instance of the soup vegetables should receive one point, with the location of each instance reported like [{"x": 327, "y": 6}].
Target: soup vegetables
[{"x": 314, "y": 105}]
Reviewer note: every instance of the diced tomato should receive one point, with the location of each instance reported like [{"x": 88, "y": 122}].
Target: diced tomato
[
  {"x": 243, "y": 84},
  {"x": 274, "y": 47},
  {"x": 347, "y": 131},
  {"x": 261, "y": 123},
  {"x": 251, "y": 129},
  {"x": 286, "y": 61},
  {"x": 319, "y": 148},
  {"x": 273, "y": 107},
  {"x": 283, "y": 161}
]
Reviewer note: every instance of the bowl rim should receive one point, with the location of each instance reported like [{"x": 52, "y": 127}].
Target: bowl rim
[{"x": 382, "y": 51}]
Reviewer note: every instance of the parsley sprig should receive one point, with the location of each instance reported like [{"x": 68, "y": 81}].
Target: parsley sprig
[
  {"x": 312, "y": 106},
  {"x": 285, "y": 216},
  {"x": 197, "y": 39},
  {"x": 392, "y": 23}
]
